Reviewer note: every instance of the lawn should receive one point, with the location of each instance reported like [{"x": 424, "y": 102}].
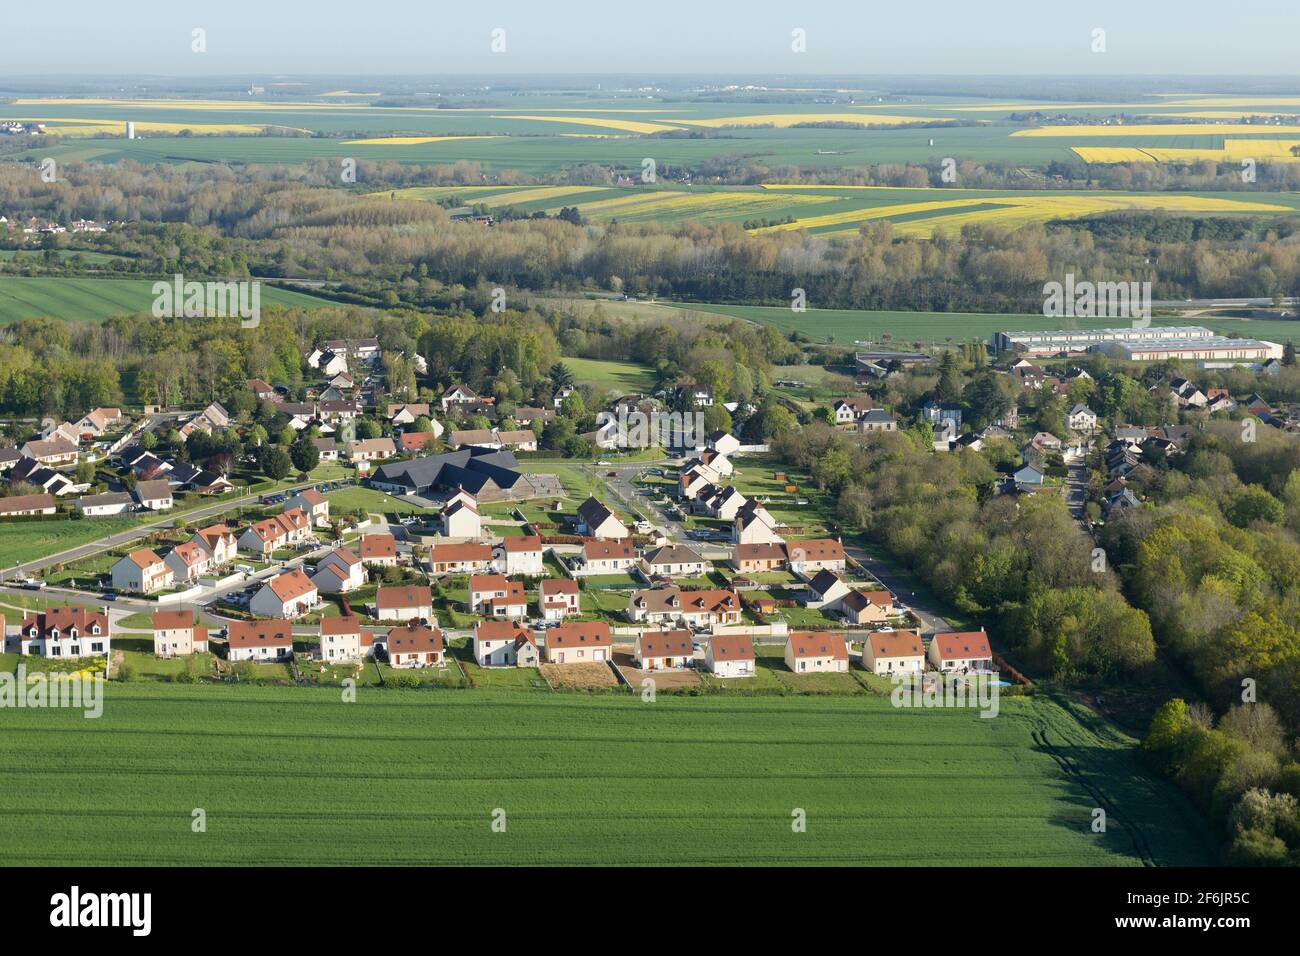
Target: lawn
[
  {"x": 22, "y": 541},
  {"x": 287, "y": 775},
  {"x": 621, "y": 377}
]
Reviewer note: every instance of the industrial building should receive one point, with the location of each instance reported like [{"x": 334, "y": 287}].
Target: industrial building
[
  {"x": 1215, "y": 349},
  {"x": 1082, "y": 340}
]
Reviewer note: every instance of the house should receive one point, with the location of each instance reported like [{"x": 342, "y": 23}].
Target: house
[
  {"x": 65, "y": 632},
  {"x": 176, "y": 635},
  {"x": 754, "y": 525},
  {"x": 27, "y": 505},
  {"x": 316, "y": 506},
  {"x": 406, "y": 414},
  {"x": 721, "y": 503},
  {"x": 379, "y": 550},
  {"x": 328, "y": 448},
  {"x": 826, "y": 590},
  {"x": 458, "y": 395},
  {"x": 866, "y": 607},
  {"x": 607, "y": 557},
  {"x": 53, "y": 452},
  {"x": 1041, "y": 442},
  {"x": 557, "y": 598},
  {"x": 261, "y": 390},
  {"x": 757, "y": 558},
  {"x": 416, "y": 442},
  {"x": 460, "y": 558},
  {"x": 724, "y": 443},
  {"x": 219, "y": 543},
  {"x": 369, "y": 449},
  {"x": 404, "y": 603},
  {"x": 961, "y": 651},
  {"x": 579, "y": 643},
  {"x": 154, "y": 495},
  {"x": 291, "y": 594},
  {"x": 519, "y": 555},
  {"x": 664, "y": 650},
  {"x": 340, "y": 571},
  {"x": 109, "y": 503},
  {"x": 672, "y": 605},
  {"x": 504, "y": 644},
  {"x": 673, "y": 560},
  {"x": 416, "y": 645},
  {"x": 942, "y": 413},
  {"x": 812, "y": 651},
  {"x": 1028, "y": 475},
  {"x": 461, "y": 519},
  {"x": 141, "y": 572},
  {"x": 893, "y": 652},
  {"x": 730, "y": 655},
  {"x": 336, "y": 412},
  {"x": 519, "y": 440},
  {"x": 279, "y": 531},
  {"x": 493, "y": 595},
  {"x": 847, "y": 411},
  {"x": 9, "y": 457},
  {"x": 188, "y": 562},
  {"x": 46, "y": 479},
  {"x": 259, "y": 640},
  {"x": 816, "y": 554},
  {"x": 561, "y": 393},
  {"x": 877, "y": 420},
  {"x": 1081, "y": 419},
  {"x": 597, "y": 521},
  {"x": 342, "y": 639},
  {"x": 97, "y": 422}
]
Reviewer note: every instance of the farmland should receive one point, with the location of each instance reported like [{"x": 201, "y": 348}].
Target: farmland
[
  {"x": 93, "y": 299},
  {"x": 546, "y": 131},
  {"x": 841, "y": 211},
  {"x": 289, "y": 776}
]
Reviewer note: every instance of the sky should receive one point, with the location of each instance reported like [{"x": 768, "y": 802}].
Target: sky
[{"x": 426, "y": 37}]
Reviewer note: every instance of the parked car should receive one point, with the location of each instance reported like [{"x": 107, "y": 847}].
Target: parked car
[{"x": 34, "y": 584}]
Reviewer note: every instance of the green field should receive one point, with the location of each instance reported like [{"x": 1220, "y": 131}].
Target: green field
[
  {"x": 93, "y": 300},
  {"x": 610, "y": 376},
  {"x": 22, "y": 541},
  {"x": 292, "y": 775}
]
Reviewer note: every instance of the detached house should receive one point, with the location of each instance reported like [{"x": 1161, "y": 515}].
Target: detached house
[
  {"x": 260, "y": 640},
  {"x": 290, "y": 595},
  {"x": 893, "y": 652},
  {"x": 461, "y": 519},
  {"x": 379, "y": 550},
  {"x": 316, "y": 506},
  {"x": 492, "y": 595},
  {"x": 65, "y": 632},
  {"x": 339, "y": 571},
  {"x": 53, "y": 452},
  {"x": 757, "y": 558},
  {"x": 557, "y": 598},
  {"x": 416, "y": 645},
  {"x": 816, "y": 651},
  {"x": 597, "y": 521},
  {"x": 154, "y": 495},
  {"x": 460, "y": 558},
  {"x": 219, "y": 542},
  {"x": 1082, "y": 419},
  {"x": 673, "y": 560},
  {"x": 404, "y": 603},
  {"x": 504, "y": 644},
  {"x": 581, "y": 643},
  {"x": 188, "y": 562},
  {"x": 690, "y": 608},
  {"x": 816, "y": 554},
  {"x": 961, "y": 651},
  {"x": 607, "y": 557},
  {"x": 730, "y": 655},
  {"x": 519, "y": 555},
  {"x": 142, "y": 572},
  {"x": 176, "y": 635},
  {"x": 866, "y": 607},
  {"x": 369, "y": 449},
  {"x": 342, "y": 639},
  {"x": 664, "y": 650}
]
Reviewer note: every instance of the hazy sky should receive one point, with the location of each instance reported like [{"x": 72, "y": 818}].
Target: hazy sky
[{"x": 701, "y": 36}]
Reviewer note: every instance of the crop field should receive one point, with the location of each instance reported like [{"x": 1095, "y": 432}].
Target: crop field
[
  {"x": 22, "y": 541},
  {"x": 291, "y": 776},
  {"x": 842, "y": 210},
  {"x": 545, "y": 131},
  {"x": 92, "y": 300}
]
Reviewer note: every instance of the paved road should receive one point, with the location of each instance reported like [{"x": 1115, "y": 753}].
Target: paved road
[
  {"x": 165, "y": 519},
  {"x": 927, "y": 614}
]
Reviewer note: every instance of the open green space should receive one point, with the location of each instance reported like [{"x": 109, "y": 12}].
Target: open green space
[{"x": 287, "y": 775}]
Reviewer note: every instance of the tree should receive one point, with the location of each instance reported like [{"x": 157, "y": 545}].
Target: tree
[
  {"x": 560, "y": 375},
  {"x": 367, "y": 428},
  {"x": 1288, "y": 353},
  {"x": 276, "y": 463},
  {"x": 304, "y": 454}
]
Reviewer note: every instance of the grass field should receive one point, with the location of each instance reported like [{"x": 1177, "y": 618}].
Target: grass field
[
  {"x": 25, "y": 540},
  {"x": 92, "y": 300},
  {"x": 290, "y": 776},
  {"x": 621, "y": 377}
]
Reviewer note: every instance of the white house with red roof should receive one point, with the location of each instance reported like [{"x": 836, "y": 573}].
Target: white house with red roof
[
  {"x": 415, "y": 645},
  {"x": 519, "y": 555},
  {"x": 961, "y": 651},
  {"x": 403, "y": 603},
  {"x": 730, "y": 655},
  {"x": 188, "y": 562},
  {"x": 279, "y": 531},
  {"x": 379, "y": 550},
  {"x": 468, "y": 558},
  {"x": 816, "y": 652},
  {"x": 219, "y": 542},
  {"x": 176, "y": 635},
  {"x": 339, "y": 571},
  {"x": 141, "y": 571},
  {"x": 315, "y": 504},
  {"x": 583, "y": 642},
  {"x": 291, "y": 594},
  {"x": 893, "y": 652},
  {"x": 342, "y": 639},
  {"x": 664, "y": 650},
  {"x": 65, "y": 632},
  {"x": 494, "y": 595},
  {"x": 504, "y": 644},
  {"x": 260, "y": 640},
  {"x": 557, "y": 598}
]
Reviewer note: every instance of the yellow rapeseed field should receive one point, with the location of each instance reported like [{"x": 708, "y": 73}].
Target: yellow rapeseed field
[
  {"x": 1155, "y": 129},
  {"x": 628, "y": 126},
  {"x": 1234, "y": 150},
  {"x": 785, "y": 120}
]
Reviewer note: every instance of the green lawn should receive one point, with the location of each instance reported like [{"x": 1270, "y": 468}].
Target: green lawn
[
  {"x": 621, "y": 377},
  {"x": 26, "y": 540},
  {"x": 599, "y": 779}
]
